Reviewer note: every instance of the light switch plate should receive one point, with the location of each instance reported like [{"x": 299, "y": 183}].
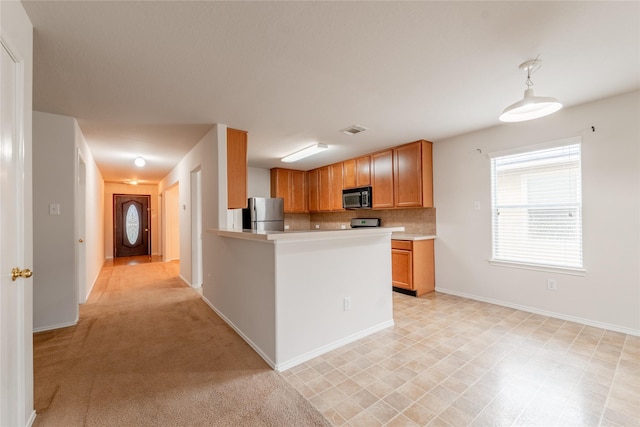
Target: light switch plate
[{"x": 54, "y": 208}]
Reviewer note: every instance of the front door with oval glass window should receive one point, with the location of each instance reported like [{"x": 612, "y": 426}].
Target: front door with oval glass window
[{"x": 131, "y": 225}]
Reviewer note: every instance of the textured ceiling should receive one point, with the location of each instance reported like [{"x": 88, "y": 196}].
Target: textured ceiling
[{"x": 150, "y": 78}]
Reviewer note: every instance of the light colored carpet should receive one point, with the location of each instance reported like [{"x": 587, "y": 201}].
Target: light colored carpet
[{"x": 149, "y": 352}]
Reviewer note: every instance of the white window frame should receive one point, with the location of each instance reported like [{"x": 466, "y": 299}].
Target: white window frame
[{"x": 507, "y": 261}]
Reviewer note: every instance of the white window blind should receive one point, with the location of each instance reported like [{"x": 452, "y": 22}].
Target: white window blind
[{"x": 537, "y": 207}]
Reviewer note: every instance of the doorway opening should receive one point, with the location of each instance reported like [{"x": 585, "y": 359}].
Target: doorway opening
[
  {"x": 131, "y": 225},
  {"x": 196, "y": 228},
  {"x": 171, "y": 223},
  {"x": 81, "y": 226}
]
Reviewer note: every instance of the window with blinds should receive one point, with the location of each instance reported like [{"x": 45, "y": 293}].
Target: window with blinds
[{"x": 537, "y": 207}]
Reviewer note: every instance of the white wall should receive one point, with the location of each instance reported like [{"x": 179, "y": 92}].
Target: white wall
[
  {"x": 94, "y": 214},
  {"x": 55, "y": 294},
  {"x": 609, "y": 294},
  {"x": 258, "y": 182},
  {"x": 205, "y": 155},
  {"x": 57, "y": 140}
]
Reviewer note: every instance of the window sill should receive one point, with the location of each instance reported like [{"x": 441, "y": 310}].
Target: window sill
[{"x": 536, "y": 267}]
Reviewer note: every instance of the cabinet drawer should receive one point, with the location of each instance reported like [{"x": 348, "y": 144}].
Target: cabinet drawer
[{"x": 407, "y": 245}]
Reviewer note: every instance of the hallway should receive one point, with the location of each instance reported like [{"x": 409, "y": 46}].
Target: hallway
[{"x": 148, "y": 351}]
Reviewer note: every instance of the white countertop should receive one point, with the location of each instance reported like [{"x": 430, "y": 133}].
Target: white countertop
[
  {"x": 412, "y": 236},
  {"x": 299, "y": 235}
]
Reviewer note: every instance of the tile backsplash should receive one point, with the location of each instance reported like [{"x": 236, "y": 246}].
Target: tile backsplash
[{"x": 419, "y": 220}]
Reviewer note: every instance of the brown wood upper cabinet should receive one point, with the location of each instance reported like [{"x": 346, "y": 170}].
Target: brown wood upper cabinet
[
  {"x": 356, "y": 172},
  {"x": 363, "y": 171},
  {"x": 337, "y": 184},
  {"x": 412, "y": 175},
  {"x": 349, "y": 173},
  {"x": 236, "y": 169},
  {"x": 402, "y": 176},
  {"x": 325, "y": 188},
  {"x": 313, "y": 177},
  {"x": 291, "y": 185},
  {"x": 382, "y": 179}
]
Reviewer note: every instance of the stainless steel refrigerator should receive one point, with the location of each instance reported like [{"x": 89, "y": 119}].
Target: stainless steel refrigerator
[{"x": 263, "y": 214}]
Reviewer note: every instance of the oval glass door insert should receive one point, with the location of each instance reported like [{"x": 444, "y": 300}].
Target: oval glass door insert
[{"x": 133, "y": 224}]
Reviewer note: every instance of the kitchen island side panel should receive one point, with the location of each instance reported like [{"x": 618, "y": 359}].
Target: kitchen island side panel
[
  {"x": 313, "y": 278},
  {"x": 239, "y": 286}
]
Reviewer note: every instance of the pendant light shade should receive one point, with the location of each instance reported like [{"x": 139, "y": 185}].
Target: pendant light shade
[{"x": 531, "y": 106}]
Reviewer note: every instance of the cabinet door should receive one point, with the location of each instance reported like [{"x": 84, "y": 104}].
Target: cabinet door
[
  {"x": 349, "y": 171},
  {"x": 336, "y": 186},
  {"x": 298, "y": 191},
  {"x": 424, "y": 279},
  {"x": 236, "y": 169},
  {"x": 363, "y": 171},
  {"x": 280, "y": 186},
  {"x": 314, "y": 200},
  {"x": 382, "y": 179},
  {"x": 324, "y": 188},
  {"x": 413, "y": 175},
  {"x": 408, "y": 175},
  {"x": 402, "y": 268}
]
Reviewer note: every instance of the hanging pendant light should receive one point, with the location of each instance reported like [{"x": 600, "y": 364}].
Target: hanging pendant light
[{"x": 531, "y": 106}]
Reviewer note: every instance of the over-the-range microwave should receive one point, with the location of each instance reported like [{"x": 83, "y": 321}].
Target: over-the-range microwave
[{"x": 357, "y": 198}]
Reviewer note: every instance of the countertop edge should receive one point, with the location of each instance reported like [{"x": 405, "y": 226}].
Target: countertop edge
[
  {"x": 305, "y": 235},
  {"x": 412, "y": 236}
]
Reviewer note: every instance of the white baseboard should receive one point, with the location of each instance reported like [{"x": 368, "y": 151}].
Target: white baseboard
[
  {"x": 283, "y": 366},
  {"x": 185, "y": 280},
  {"x": 95, "y": 280},
  {"x": 31, "y": 419},
  {"x": 332, "y": 346},
  {"x": 52, "y": 327},
  {"x": 242, "y": 335},
  {"x": 534, "y": 310}
]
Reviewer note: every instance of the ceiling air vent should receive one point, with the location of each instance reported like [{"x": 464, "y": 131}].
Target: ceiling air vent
[{"x": 354, "y": 129}]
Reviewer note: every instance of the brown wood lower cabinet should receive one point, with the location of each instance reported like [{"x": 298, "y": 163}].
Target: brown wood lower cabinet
[{"x": 412, "y": 266}]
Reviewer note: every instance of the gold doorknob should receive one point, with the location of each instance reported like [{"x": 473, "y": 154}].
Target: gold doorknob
[
  {"x": 25, "y": 274},
  {"x": 81, "y": 241}
]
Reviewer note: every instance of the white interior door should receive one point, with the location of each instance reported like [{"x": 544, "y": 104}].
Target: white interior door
[
  {"x": 81, "y": 219},
  {"x": 15, "y": 340}
]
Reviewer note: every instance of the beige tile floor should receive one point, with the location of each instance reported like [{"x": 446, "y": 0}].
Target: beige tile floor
[{"x": 450, "y": 361}]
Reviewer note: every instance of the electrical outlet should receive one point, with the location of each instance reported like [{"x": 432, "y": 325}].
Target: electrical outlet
[
  {"x": 552, "y": 285},
  {"x": 343, "y": 227},
  {"x": 317, "y": 226},
  {"x": 286, "y": 227},
  {"x": 347, "y": 303}
]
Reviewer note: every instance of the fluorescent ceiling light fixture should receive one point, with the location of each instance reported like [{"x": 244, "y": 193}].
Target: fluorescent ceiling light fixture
[
  {"x": 305, "y": 152},
  {"x": 531, "y": 106},
  {"x": 140, "y": 162}
]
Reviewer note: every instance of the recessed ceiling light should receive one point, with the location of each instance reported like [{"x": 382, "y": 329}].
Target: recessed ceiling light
[
  {"x": 140, "y": 162},
  {"x": 353, "y": 129}
]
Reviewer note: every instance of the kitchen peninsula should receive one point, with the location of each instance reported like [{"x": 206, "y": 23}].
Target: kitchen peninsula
[{"x": 294, "y": 295}]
